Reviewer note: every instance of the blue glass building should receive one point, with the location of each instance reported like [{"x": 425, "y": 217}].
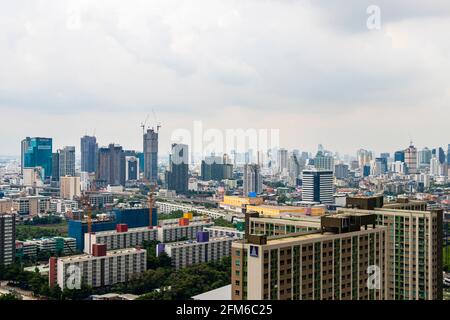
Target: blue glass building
[
  {"x": 38, "y": 153},
  {"x": 399, "y": 156}
]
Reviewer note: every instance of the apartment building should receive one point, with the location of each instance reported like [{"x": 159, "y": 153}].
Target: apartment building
[
  {"x": 277, "y": 227},
  {"x": 7, "y": 239},
  {"x": 218, "y": 232},
  {"x": 330, "y": 264},
  {"x": 102, "y": 268},
  {"x": 120, "y": 238},
  {"x": 6, "y": 205},
  {"x": 203, "y": 249},
  {"x": 169, "y": 207},
  {"x": 183, "y": 230},
  {"x": 32, "y": 205},
  {"x": 414, "y": 247}
]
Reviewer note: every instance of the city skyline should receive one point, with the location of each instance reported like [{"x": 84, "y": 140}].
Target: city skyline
[{"x": 314, "y": 71}]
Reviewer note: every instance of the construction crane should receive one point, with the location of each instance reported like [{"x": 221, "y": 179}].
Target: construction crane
[
  {"x": 144, "y": 124},
  {"x": 158, "y": 124}
]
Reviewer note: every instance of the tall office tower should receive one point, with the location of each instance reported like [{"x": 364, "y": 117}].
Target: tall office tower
[
  {"x": 295, "y": 167},
  {"x": 252, "y": 179},
  {"x": 411, "y": 159},
  {"x": 341, "y": 171},
  {"x": 177, "y": 177},
  {"x": 24, "y": 145},
  {"x": 383, "y": 165},
  {"x": 55, "y": 166},
  {"x": 333, "y": 263},
  {"x": 424, "y": 157},
  {"x": 440, "y": 154},
  {"x": 67, "y": 162},
  {"x": 448, "y": 155},
  {"x": 140, "y": 156},
  {"x": 282, "y": 159},
  {"x": 111, "y": 165},
  {"x": 434, "y": 167},
  {"x": 385, "y": 155},
  {"x": 151, "y": 155},
  {"x": 323, "y": 162},
  {"x": 38, "y": 154},
  {"x": 132, "y": 168},
  {"x": 399, "y": 156},
  {"x": 364, "y": 157},
  {"x": 7, "y": 239},
  {"x": 398, "y": 167},
  {"x": 89, "y": 151},
  {"x": 318, "y": 186}
]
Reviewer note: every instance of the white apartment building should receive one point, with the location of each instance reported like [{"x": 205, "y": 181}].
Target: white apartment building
[
  {"x": 169, "y": 207},
  {"x": 218, "y": 232},
  {"x": 188, "y": 253},
  {"x": 118, "y": 240},
  {"x": 98, "y": 271},
  {"x": 175, "y": 232}
]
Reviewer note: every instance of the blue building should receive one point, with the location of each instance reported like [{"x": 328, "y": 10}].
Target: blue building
[
  {"x": 134, "y": 218},
  {"x": 366, "y": 171},
  {"x": 37, "y": 152},
  {"x": 399, "y": 156}
]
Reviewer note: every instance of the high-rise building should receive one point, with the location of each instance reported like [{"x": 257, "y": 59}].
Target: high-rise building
[
  {"x": 448, "y": 155},
  {"x": 295, "y": 167},
  {"x": 70, "y": 187},
  {"x": 67, "y": 162},
  {"x": 89, "y": 150},
  {"x": 413, "y": 246},
  {"x": 411, "y": 159},
  {"x": 341, "y": 171},
  {"x": 323, "y": 162},
  {"x": 55, "y": 166},
  {"x": 7, "y": 239},
  {"x": 318, "y": 186},
  {"x": 440, "y": 154},
  {"x": 399, "y": 156},
  {"x": 132, "y": 168},
  {"x": 331, "y": 264},
  {"x": 38, "y": 153},
  {"x": 151, "y": 155},
  {"x": 216, "y": 168},
  {"x": 252, "y": 179},
  {"x": 24, "y": 145},
  {"x": 111, "y": 165},
  {"x": 364, "y": 157},
  {"x": 177, "y": 177},
  {"x": 424, "y": 157},
  {"x": 282, "y": 159}
]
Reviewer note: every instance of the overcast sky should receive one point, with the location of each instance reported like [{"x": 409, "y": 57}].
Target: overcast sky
[{"x": 309, "y": 68}]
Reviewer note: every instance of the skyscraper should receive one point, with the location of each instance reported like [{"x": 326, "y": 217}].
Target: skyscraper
[
  {"x": 89, "y": 151},
  {"x": 38, "y": 153},
  {"x": 132, "y": 169},
  {"x": 151, "y": 155},
  {"x": 295, "y": 167},
  {"x": 111, "y": 165},
  {"x": 323, "y": 161},
  {"x": 177, "y": 177},
  {"x": 282, "y": 159},
  {"x": 252, "y": 179},
  {"x": 67, "y": 161},
  {"x": 24, "y": 145},
  {"x": 411, "y": 159},
  {"x": 341, "y": 171},
  {"x": 399, "y": 156},
  {"x": 318, "y": 186},
  {"x": 216, "y": 168},
  {"x": 55, "y": 166},
  {"x": 424, "y": 157}
]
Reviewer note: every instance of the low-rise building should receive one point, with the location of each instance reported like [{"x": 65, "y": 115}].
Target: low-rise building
[{"x": 218, "y": 232}]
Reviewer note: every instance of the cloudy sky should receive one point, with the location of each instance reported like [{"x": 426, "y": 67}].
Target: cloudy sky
[{"x": 312, "y": 69}]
